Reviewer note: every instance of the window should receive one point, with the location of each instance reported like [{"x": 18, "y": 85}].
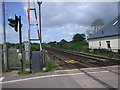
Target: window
[
  {"x": 99, "y": 44},
  {"x": 108, "y": 44},
  {"x": 115, "y": 23},
  {"x": 102, "y": 32}
]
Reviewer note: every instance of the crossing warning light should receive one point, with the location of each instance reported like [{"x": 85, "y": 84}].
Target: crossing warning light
[{"x": 14, "y": 23}]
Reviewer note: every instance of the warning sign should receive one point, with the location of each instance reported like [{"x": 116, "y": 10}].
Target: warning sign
[{"x": 20, "y": 56}]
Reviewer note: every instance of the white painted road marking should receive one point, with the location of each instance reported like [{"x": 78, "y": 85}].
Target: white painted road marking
[
  {"x": 99, "y": 67},
  {"x": 66, "y": 70},
  {"x": 49, "y": 76}
]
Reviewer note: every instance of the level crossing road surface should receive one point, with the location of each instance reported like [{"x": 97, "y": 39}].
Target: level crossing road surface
[
  {"x": 1, "y": 78},
  {"x": 66, "y": 79}
]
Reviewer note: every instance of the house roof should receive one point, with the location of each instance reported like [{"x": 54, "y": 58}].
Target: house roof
[{"x": 110, "y": 29}]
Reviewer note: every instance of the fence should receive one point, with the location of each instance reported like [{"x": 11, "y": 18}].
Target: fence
[{"x": 13, "y": 62}]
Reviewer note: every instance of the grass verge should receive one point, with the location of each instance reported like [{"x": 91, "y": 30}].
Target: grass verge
[{"x": 51, "y": 65}]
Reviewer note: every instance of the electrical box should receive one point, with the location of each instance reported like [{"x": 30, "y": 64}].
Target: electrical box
[{"x": 36, "y": 61}]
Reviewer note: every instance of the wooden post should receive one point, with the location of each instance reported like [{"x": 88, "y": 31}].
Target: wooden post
[
  {"x": 5, "y": 57},
  {"x": 45, "y": 58},
  {"x": 23, "y": 58}
]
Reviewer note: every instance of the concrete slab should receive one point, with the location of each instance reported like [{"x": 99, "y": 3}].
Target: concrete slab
[
  {"x": 92, "y": 69},
  {"x": 85, "y": 82},
  {"x": 100, "y": 69},
  {"x": 111, "y": 68},
  {"x": 107, "y": 77}
]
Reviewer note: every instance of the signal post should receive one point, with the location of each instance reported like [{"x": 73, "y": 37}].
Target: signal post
[{"x": 14, "y": 24}]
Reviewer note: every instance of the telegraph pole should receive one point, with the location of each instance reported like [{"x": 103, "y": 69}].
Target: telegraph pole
[
  {"x": 29, "y": 46},
  {"x": 4, "y": 38}
]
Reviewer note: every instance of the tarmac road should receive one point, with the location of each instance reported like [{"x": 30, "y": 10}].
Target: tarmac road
[
  {"x": 54, "y": 82},
  {"x": 66, "y": 79}
]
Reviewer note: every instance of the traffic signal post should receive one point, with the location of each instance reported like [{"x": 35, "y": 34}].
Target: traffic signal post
[{"x": 14, "y": 24}]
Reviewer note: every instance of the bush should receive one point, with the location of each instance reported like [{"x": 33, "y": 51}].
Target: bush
[
  {"x": 105, "y": 52},
  {"x": 51, "y": 65},
  {"x": 35, "y": 46},
  {"x": 78, "y": 37}
]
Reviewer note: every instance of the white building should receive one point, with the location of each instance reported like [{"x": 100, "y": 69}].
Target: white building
[{"x": 108, "y": 37}]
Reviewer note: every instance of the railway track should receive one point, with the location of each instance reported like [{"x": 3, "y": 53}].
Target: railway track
[
  {"x": 84, "y": 57},
  {"x": 87, "y": 61},
  {"x": 89, "y": 58}
]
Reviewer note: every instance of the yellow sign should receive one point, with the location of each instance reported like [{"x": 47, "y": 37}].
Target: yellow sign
[{"x": 20, "y": 55}]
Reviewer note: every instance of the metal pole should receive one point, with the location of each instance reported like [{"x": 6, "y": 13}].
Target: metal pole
[
  {"x": 39, "y": 3},
  {"x": 41, "y": 53},
  {"x": 4, "y": 38},
  {"x": 20, "y": 38}
]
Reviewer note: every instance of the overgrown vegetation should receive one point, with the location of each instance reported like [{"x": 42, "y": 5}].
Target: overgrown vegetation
[
  {"x": 35, "y": 46},
  {"x": 13, "y": 45},
  {"x": 104, "y": 52},
  {"x": 77, "y": 44},
  {"x": 25, "y": 73},
  {"x": 51, "y": 65}
]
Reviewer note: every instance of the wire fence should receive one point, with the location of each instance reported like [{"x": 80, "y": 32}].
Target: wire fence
[{"x": 13, "y": 62}]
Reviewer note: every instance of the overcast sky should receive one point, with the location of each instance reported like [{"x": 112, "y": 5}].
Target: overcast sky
[{"x": 60, "y": 20}]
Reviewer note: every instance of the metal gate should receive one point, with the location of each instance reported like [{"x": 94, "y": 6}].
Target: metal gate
[{"x": 13, "y": 62}]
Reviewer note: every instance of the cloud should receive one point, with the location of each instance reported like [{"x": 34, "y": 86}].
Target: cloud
[
  {"x": 11, "y": 35},
  {"x": 65, "y": 32},
  {"x": 82, "y": 13},
  {"x": 64, "y": 19}
]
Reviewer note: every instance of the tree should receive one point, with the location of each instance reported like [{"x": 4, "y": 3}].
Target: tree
[
  {"x": 95, "y": 26},
  {"x": 63, "y": 41},
  {"x": 78, "y": 37},
  {"x": 97, "y": 23},
  {"x": 54, "y": 42}
]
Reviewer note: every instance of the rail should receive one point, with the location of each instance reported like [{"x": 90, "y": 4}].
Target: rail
[{"x": 86, "y": 73}]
